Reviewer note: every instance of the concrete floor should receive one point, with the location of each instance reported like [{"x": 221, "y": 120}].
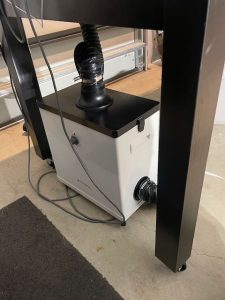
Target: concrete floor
[{"x": 125, "y": 255}]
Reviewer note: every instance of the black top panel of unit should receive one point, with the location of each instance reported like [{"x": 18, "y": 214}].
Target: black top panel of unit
[{"x": 125, "y": 113}]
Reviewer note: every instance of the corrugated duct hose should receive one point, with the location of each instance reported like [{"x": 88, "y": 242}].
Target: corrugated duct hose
[{"x": 89, "y": 62}]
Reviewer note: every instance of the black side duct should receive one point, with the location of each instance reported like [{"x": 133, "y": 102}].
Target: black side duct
[
  {"x": 90, "y": 66},
  {"x": 146, "y": 190}
]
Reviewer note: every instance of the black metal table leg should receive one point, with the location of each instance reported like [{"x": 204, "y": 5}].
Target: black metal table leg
[
  {"x": 21, "y": 68},
  {"x": 194, "y": 53}
]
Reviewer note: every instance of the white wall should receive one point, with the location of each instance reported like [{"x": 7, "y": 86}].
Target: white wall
[{"x": 220, "y": 113}]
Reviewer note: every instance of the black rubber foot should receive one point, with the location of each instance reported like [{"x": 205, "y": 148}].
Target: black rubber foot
[
  {"x": 24, "y": 127},
  {"x": 123, "y": 224},
  {"x": 51, "y": 163},
  {"x": 182, "y": 268},
  {"x": 25, "y": 131}
]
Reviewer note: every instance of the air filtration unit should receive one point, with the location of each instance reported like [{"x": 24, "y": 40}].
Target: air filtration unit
[{"x": 118, "y": 147}]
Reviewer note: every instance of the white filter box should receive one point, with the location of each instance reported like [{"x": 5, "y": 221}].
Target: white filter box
[{"x": 117, "y": 147}]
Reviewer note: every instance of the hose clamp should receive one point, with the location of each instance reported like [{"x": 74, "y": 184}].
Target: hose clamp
[{"x": 93, "y": 80}]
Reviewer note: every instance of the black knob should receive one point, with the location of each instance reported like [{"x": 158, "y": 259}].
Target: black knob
[{"x": 74, "y": 140}]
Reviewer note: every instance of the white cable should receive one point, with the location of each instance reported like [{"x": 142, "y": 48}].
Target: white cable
[
  {"x": 214, "y": 175},
  {"x": 22, "y": 38}
]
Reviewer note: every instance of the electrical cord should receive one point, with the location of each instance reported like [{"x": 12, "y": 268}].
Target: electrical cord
[
  {"x": 82, "y": 214},
  {"x": 43, "y": 175},
  {"x": 70, "y": 198},
  {"x": 49, "y": 200},
  {"x": 22, "y": 38},
  {"x": 53, "y": 200},
  {"x": 36, "y": 189},
  {"x": 61, "y": 114}
]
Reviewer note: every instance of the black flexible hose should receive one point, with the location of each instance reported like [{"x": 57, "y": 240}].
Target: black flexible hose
[
  {"x": 90, "y": 36},
  {"x": 88, "y": 56},
  {"x": 89, "y": 62}
]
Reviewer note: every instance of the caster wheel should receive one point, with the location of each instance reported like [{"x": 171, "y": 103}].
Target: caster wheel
[
  {"x": 50, "y": 162},
  {"x": 24, "y": 127},
  {"x": 25, "y": 131},
  {"x": 182, "y": 268}
]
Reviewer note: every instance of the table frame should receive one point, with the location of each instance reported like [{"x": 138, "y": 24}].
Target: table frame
[{"x": 194, "y": 54}]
